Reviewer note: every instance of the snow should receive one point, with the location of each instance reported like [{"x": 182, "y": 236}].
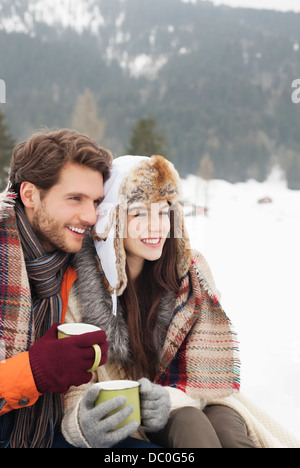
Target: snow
[
  {"x": 80, "y": 16},
  {"x": 253, "y": 251},
  {"x": 146, "y": 65}
]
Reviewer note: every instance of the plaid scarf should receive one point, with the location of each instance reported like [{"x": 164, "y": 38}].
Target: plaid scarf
[
  {"x": 30, "y": 303},
  {"x": 200, "y": 354}
]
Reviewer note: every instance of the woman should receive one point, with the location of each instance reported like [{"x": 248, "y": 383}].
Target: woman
[{"x": 158, "y": 304}]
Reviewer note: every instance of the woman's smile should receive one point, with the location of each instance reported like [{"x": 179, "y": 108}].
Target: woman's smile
[{"x": 152, "y": 242}]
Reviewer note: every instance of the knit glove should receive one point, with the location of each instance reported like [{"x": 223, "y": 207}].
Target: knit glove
[
  {"x": 155, "y": 405},
  {"x": 97, "y": 429},
  {"x": 57, "y": 364}
]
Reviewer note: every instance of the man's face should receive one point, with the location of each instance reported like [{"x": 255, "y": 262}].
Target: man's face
[{"x": 66, "y": 213}]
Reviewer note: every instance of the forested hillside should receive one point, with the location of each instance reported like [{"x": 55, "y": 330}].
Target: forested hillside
[{"x": 217, "y": 80}]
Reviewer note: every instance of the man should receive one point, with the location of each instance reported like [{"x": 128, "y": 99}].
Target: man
[{"x": 55, "y": 185}]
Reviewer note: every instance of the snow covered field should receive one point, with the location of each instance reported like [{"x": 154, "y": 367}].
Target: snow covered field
[{"x": 254, "y": 253}]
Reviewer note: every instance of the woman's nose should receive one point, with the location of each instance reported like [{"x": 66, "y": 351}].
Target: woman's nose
[{"x": 154, "y": 223}]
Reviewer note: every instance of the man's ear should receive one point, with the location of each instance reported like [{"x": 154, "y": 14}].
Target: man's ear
[{"x": 29, "y": 194}]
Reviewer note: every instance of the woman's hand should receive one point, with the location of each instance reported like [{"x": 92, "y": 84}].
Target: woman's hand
[
  {"x": 97, "y": 427},
  {"x": 155, "y": 405}
]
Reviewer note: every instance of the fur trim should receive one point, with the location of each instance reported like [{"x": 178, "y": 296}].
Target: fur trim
[
  {"x": 96, "y": 304},
  {"x": 150, "y": 181}
]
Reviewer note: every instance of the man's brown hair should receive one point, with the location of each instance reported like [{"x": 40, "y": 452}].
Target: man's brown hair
[{"x": 40, "y": 159}]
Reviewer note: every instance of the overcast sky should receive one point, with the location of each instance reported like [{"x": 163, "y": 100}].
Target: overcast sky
[{"x": 282, "y": 5}]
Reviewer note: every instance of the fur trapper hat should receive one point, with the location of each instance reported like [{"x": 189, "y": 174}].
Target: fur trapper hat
[{"x": 135, "y": 179}]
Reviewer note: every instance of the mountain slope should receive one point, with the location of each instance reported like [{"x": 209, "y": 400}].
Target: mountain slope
[{"x": 218, "y": 80}]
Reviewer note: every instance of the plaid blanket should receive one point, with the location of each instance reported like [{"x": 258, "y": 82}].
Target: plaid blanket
[
  {"x": 200, "y": 354},
  {"x": 16, "y": 332},
  {"x": 23, "y": 318}
]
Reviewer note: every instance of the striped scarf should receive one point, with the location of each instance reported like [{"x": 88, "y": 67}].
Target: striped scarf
[
  {"x": 200, "y": 353},
  {"x": 24, "y": 320}
]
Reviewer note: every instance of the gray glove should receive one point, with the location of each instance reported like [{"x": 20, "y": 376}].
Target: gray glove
[
  {"x": 95, "y": 429},
  {"x": 155, "y": 405}
]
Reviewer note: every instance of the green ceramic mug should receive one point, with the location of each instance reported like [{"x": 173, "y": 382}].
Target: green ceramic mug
[
  {"x": 128, "y": 388},
  {"x": 71, "y": 329}
]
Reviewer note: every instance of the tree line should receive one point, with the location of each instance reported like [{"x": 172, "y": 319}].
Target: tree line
[
  {"x": 145, "y": 139},
  {"x": 224, "y": 91}
]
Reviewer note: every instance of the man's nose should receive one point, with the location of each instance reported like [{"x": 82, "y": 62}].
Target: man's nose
[{"x": 89, "y": 214}]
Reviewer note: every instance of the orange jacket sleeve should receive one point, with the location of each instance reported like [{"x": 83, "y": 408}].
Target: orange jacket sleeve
[{"x": 17, "y": 386}]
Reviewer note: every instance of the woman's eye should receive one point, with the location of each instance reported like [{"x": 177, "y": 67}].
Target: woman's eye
[{"x": 165, "y": 213}]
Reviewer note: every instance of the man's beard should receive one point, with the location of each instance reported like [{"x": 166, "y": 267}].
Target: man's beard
[{"x": 47, "y": 231}]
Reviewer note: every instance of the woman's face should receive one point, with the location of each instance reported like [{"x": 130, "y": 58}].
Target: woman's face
[{"x": 148, "y": 227}]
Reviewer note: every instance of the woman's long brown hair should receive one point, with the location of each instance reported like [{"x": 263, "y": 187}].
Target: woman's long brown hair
[{"x": 140, "y": 302}]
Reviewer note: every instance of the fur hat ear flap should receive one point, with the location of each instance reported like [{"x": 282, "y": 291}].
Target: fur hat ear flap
[
  {"x": 110, "y": 249},
  {"x": 183, "y": 247},
  {"x": 121, "y": 232}
]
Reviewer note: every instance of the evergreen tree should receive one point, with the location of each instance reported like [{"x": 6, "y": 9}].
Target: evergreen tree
[
  {"x": 206, "y": 167},
  {"x": 7, "y": 144},
  {"x": 146, "y": 139},
  {"x": 85, "y": 117}
]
